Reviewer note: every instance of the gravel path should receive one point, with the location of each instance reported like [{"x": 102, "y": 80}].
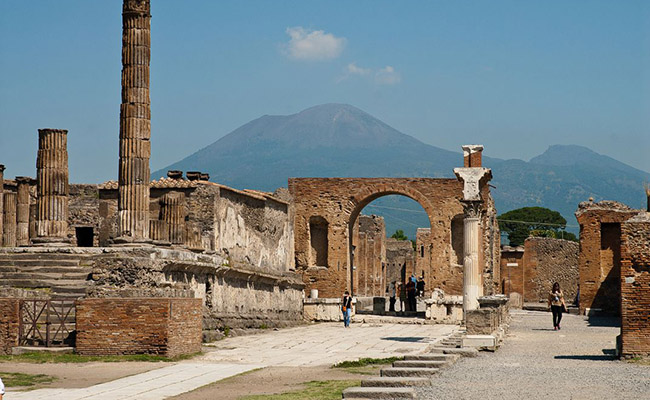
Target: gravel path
[{"x": 539, "y": 363}]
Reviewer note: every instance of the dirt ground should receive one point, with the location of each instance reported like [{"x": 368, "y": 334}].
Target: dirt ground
[
  {"x": 79, "y": 375},
  {"x": 274, "y": 380}
]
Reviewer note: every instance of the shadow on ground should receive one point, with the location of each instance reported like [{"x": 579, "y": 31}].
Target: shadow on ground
[
  {"x": 608, "y": 355},
  {"x": 404, "y": 339},
  {"x": 604, "y": 321}
]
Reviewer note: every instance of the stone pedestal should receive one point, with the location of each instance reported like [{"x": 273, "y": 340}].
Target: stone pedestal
[
  {"x": 9, "y": 219},
  {"x": 52, "y": 187},
  {"x": 22, "y": 210},
  {"x": 135, "y": 124}
]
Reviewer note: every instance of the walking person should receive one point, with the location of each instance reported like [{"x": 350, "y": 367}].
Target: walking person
[
  {"x": 402, "y": 296},
  {"x": 556, "y": 302},
  {"x": 410, "y": 293},
  {"x": 346, "y": 308}
]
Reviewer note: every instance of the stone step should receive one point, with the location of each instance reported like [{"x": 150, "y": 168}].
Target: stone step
[
  {"x": 379, "y": 393},
  {"x": 40, "y": 262},
  {"x": 419, "y": 364},
  {"x": 44, "y": 275},
  {"x": 59, "y": 290},
  {"x": 40, "y": 283},
  {"x": 461, "y": 351},
  {"x": 384, "y": 381},
  {"x": 409, "y": 372},
  {"x": 433, "y": 357},
  {"x": 61, "y": 270}
]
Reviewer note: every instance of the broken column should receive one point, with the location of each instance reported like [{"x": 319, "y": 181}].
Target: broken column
[
  {"x": 172, "y": 211},
  {"x": 135, "y": 124},
  {"x": 2, "y": 190},
  {"x": 9, "y": 220},
  {"x": 22, "y": 210},
  {"x": 52, "y": 187},
  {"x": 474, "y": 177}
]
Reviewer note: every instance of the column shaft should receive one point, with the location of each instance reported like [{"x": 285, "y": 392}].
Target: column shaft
[
  {"x": 172, "y": 211},
  {"x": 2, "y": 189},
  {"x": 471, "y": 268},
  {"x": 52, "y": 186},
  {"x": 9, "y": 220},
  {"x": 135, "y": 123},
  {"x": 22, "y": 211}
]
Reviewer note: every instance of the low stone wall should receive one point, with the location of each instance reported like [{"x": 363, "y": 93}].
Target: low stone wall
[
  {"x": 446, "y": 310},
  {"x": 325, "y": 309},
  {"x": 9, "y": 321},
  {"x": 162, "y": 326},
  {"x": 635, "y": 286},
  {"x": 492, "y": 318}
]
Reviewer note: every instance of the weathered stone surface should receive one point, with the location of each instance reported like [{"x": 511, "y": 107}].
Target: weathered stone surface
[
  {"x": 548, "y": 260},
  {"x": 384, "y": 381},
  {"x": 9, "y": 324},
  {"x": 370, "y": 256},
  {"x": 379, "y": 393},
  {"x": 461, "y": 351},
  {"x": 9, "y": 219},
  {"x": 338, "y": 202},
  {"x": 409, "y": 372},
  {"x": 22, "y": 210}
]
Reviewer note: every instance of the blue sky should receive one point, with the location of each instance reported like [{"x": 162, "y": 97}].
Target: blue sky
[{"x": 515, "y": 76}]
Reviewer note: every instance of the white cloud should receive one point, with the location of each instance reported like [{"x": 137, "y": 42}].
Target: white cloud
[
  {"x": 313, "y": 45},
  {"x": 353, "y": 69},
  {"x": 387, "y": 76}
]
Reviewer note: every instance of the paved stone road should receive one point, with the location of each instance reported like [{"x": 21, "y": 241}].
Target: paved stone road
[
  {"x": 312, "y": 345},
  {"x": 539, "y": 363}
]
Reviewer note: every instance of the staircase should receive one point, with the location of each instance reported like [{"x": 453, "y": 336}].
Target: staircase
[{"x": 61, "y": 276}]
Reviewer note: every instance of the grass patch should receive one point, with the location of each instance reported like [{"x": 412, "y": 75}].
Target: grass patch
[
  {"x": 363, "y": 362},
  {"x": 41, "y": 358},
  {"x": 314, "y": 390},
  {"x": 14, "y": 379},
  {"x": 639, "y": 360}
]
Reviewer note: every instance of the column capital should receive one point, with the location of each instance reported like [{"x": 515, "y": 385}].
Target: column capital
[
  {"x": 473, "y": 179},
  {"x": 472, "y": 208}
]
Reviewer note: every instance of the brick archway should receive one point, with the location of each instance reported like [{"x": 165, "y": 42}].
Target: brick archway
[{"x": 339, "y": 201}]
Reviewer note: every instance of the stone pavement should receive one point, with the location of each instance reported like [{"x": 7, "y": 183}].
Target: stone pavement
[{"x": 316, "y": 344}]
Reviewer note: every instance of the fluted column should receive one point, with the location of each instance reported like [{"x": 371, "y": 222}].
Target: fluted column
[
  {"x": 472, "y": 287},
  {"x": 2, "y": 209},
  {"x": 172, "y": 211},
  {"x": 135, "y": 124},
  {"x": 22, "y": 210},
  {"x": 9, "y": 219},
  {"x": 52, "y": 187}
]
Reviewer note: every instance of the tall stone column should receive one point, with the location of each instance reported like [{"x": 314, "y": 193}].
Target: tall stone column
[
  {"x": 135, "y": 124},
  {"x": 2, "y": 208},
  {"x": 173, "y": 213},
  {"x": 52, "y": 187},
  {"x": 22, "y": 210},
  {"x": 474, "y": 177},
  {"x": 9, "y": 220}
]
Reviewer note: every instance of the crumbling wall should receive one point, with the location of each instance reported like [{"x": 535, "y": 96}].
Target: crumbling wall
[
  {"x": 635, "y": 286},
  {"x": 370, "y": 256},
  {"x": 399, "y": 259},
  {"x": 84, "y": 210},
  {"x": 548, "y": 260},
  {"x": 9, "y": 321},
  {"x": 512, "y": 270},
  {"x": 599, "y": 258},
  {"x": 254, "y": 230}
]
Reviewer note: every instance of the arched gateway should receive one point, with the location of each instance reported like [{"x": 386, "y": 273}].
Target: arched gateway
[{"x": 327, "y": 208}]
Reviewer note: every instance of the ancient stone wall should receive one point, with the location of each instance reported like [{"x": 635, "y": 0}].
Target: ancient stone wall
[
  {"x": 370, "y": 256},
  {"x": 548, "y": 260},
  {"x": 162, "y": 326},
  {"x": 400, "y": 260},
  {"x": 600, "y": 254},
  {"x": 9, "y": 320},
  {"x": 83, "y": 202},
  {"x": 512, "y": 270},
  {"x": 635, "y": 286},
  {"x": 338, "y": 201}
]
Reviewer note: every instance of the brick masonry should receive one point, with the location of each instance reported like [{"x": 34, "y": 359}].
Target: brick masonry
[
  {"x": 161, "y": 326},
  {"x": 9, "y": 321},
  {"x": 635, "y": 286},
  {"x": 339, "y": 201},
  {"x": 600, "y": 254}
]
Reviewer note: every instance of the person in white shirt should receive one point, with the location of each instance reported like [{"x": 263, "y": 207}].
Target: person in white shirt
[{"x": 2, "y": 389}]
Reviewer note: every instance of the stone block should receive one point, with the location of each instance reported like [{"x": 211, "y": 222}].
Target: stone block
[
  {"x": 379, "y": 393},
  {"x": 481, "y": 342},
  {"x": 384, "y": 381}
]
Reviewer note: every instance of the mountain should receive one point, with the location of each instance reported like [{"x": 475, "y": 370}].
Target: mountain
[{"x": 341, "y": 140}]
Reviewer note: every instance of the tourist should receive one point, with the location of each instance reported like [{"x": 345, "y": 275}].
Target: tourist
[
  {"x": 410, "y": 292},
  {"x": 420, "y": 287},
  {"x": 346, "y": 308},
  {"x": 556, "y": 302},
  {"x": 392, "y": 290},
  {"x": 2, "y": 389}
]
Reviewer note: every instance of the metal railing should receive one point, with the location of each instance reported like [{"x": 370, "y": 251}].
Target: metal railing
[{"x": 48, "y": 323}]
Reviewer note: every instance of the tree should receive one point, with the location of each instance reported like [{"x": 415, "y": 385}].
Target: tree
[
  {"x": 536, "y": 221},
  {"x": 399, "y": 235}
]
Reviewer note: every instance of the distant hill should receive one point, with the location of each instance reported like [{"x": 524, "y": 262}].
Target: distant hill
[{"x": 341, "y": 140}]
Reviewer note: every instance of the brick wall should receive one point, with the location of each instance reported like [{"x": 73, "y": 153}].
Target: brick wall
[
  {"x": 548, "y": 260},
  {"x": 512, "y": 276},
  {"x": 163, "y": 326},
  {"x": 635, "y": 286},
  {"x": 340, "y": 200},
  {"x": 9, "y": 320},
  {"x": 599, "y": 257}
]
